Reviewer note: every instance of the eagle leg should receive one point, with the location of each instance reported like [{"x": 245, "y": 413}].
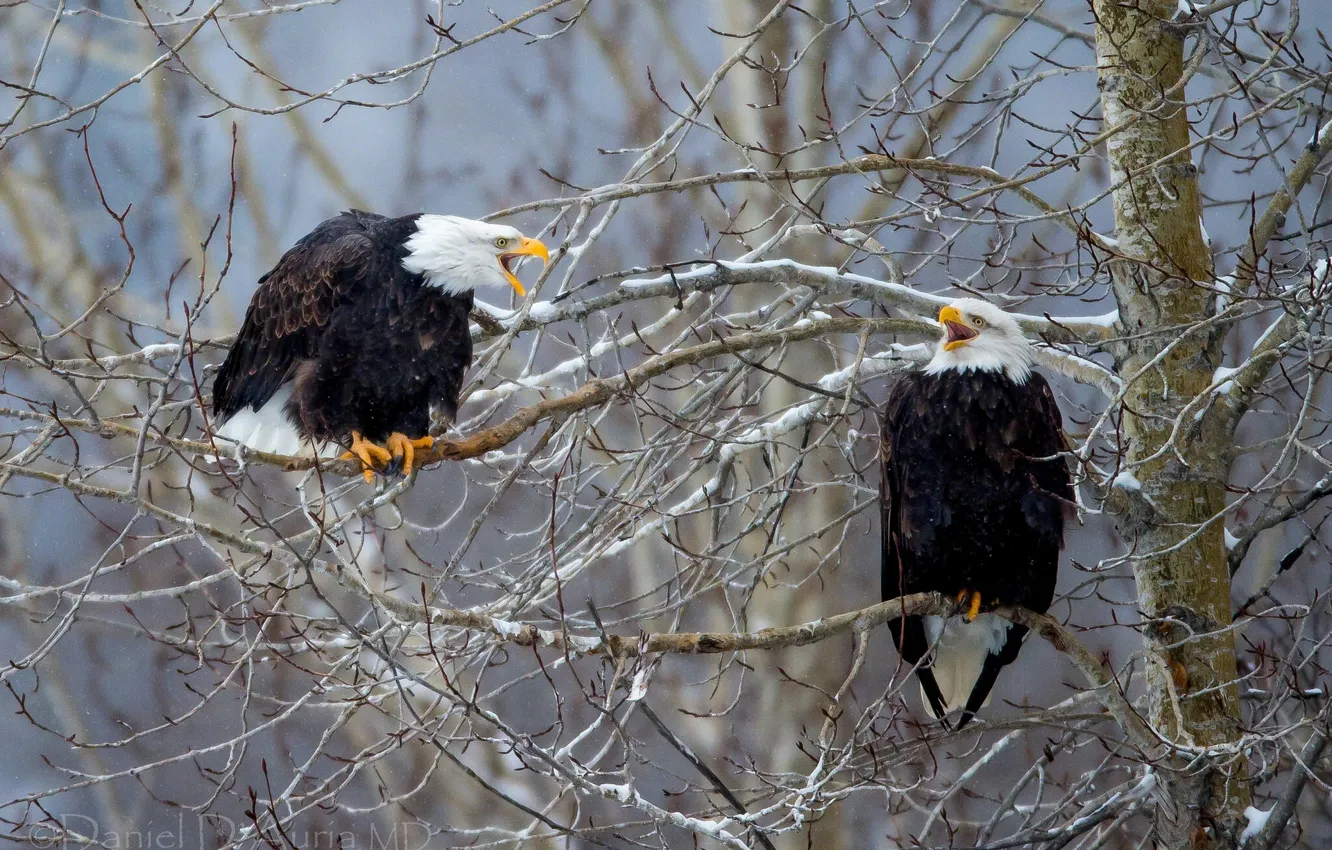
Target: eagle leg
[
  {"x": 972, "y": 599},
  {"x": 371, "y": 455},
  {"x": 403, "y": 451}
]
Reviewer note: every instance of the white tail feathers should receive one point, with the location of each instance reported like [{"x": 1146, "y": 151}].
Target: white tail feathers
[
  {"x": 960, "y": 653},
  {"x": 269, "y": 430}
]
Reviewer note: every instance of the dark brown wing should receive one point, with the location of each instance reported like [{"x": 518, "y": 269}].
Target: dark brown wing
[
  {"x": 1046, "y": 439},
  {"x": 908, "y": 632},
  {"x": 328, "y": 269}
]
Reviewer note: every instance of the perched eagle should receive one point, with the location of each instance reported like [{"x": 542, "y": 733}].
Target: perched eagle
[
  {"x": 973, "y": 501},
  {"x": 358, "y": 332}
]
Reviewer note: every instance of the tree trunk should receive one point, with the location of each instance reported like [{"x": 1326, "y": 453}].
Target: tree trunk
[{"x": 1169, "y": 509}]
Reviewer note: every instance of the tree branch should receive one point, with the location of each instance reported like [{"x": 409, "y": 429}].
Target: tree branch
[
  {"x": 1281, "y": 813},
  {"x": 1271, "y": 346}
]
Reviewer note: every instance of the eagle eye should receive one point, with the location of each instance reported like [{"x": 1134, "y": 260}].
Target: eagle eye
[
  {"x": 978, "y": 321},
  {"x": 502, "y": 242}
]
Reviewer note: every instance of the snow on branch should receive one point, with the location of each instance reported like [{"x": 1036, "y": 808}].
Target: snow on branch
[{"x": 663, "y": 473}]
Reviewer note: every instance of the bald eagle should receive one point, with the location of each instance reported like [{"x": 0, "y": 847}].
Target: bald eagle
[
  {"x": 358, "y": 331},
  {"x": 973, "y": 497}
]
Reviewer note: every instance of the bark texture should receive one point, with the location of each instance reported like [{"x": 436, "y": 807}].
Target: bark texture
[{"x": 1171, "y": 516}]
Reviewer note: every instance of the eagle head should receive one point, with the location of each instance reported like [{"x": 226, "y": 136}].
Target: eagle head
[
  {"x": 461, "y": 254},
  {"x": 978, "y": 335}
]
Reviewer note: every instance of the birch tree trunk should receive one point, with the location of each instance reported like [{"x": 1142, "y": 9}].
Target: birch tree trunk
[{"x": 1170, "y": 512}]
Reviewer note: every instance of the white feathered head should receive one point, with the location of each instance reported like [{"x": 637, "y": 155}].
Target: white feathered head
[
  {"x": 978, "y": 335},
  {"x": 461, "y": 254}
]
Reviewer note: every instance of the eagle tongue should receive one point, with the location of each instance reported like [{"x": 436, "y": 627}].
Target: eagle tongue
[{"x": 958, "y": 332}]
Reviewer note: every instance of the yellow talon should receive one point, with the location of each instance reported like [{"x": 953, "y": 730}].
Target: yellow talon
[
  {"x": 371, "y": 455},
  {"x": 972, "y": 599},
  {"x": 975, "y": 606},
  {"x": 403, "y": 451}
]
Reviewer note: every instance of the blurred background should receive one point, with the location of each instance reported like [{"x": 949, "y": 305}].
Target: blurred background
[{"x": 194, "y": 649}]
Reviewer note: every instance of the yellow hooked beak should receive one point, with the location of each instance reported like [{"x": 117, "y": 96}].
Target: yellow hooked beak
[
  {"x": 956, "y": 331},
  {"x": 526, "y": 248}
]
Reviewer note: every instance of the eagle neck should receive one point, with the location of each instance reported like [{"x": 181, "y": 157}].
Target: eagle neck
[
  {"x": 436, "y": 250},
  {"x": 1014, "y": 362}
]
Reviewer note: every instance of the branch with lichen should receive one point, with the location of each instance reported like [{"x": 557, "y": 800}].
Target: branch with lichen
[
  {"x": 1095, "y": 670},
  {"x": 591, "y": 394},
  {"x": 1271, "y": 347}
]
